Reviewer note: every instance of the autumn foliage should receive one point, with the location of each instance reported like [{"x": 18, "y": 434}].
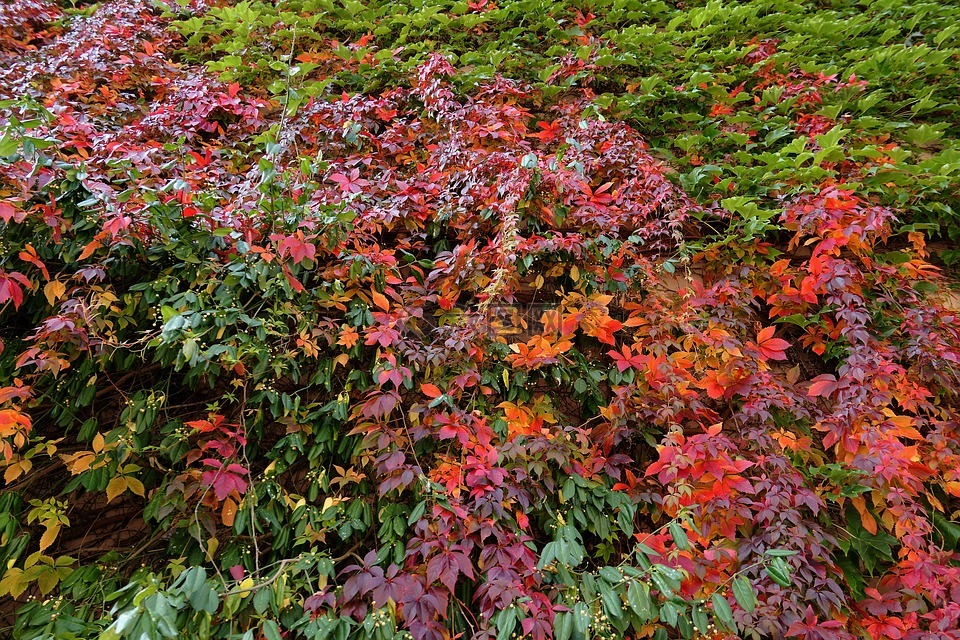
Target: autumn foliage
[{"x": 319, "y": 324}]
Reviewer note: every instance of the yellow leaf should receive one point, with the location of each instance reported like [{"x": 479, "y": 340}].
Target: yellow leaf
[
  {"x": 98, "y": 442},
  {"x": 12, "y": 582},
  {"x": 107, "y": 298},
  {"x": 246, "y": 585},
  {"x": 135, "y": 486},
  {"x": 49, "y": 536},
  {"x": 212, "y": 545},
  {"x": 47, "y": 581},
  {"x": 54, "y": 290},
  {"x": 78, "y": 462},
  {"x": 16, "y": 469},
  {"x": 887, "y": 518},
  {"x": 331, "y": 501},
  {"x": 115, "y": 488}
]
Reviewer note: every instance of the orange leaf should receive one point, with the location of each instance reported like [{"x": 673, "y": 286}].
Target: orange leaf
[
  {"x": 53, "y": 291},
  {"x": 431, "y": 390},
  {"x": 12, "y": 422},
  {"x": 713, "y": 384},
  {"x": 866, "y": 517},
  {"x": 380, "y": 300},
  {"x": 348, "y": 337},
  {"x": 88, "y": 250},
  {"x": 229, "y": 512}
]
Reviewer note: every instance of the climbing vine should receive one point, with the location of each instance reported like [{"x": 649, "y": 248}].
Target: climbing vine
[{"x": 530, "y": 319}]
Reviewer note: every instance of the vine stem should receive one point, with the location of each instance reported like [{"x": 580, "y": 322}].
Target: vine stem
[{"x": 266, "y": 582}]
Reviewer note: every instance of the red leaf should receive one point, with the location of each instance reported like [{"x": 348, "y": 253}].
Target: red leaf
[
  {"x": 296, "y": 246},
  {"x": 295, "y": 284},
  {"x": 771, "y": 348},
  {"x": 224, "y": 480},
  {"x": 823, "y": 385},
  {"x": 380, "y": 405},
  {"x": 352, "y": 183},
  {"x": 6, "y": 211}
]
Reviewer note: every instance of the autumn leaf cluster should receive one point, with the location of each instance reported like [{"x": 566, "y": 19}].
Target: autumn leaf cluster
[{"x": 386, "y": 320}]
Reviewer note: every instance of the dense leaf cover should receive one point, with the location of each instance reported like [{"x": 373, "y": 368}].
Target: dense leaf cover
[{"x": 486, "y": 320}]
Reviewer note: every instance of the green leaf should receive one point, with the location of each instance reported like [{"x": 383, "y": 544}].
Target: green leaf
[
  {"x": 830, "y": 138},
  {"x": 588, "y": 586},
  {"x": 417, "y": 512},
  {"x": 205, "y": 599},
  {"x": 669, "y": 613},
  {"x": 563, "y": 625},
  {"x": 950, "y": 531},
  {"x": 638, "y": 597},
  {"x": 261, "y": 600},
  {"x": 506, "y": 622},
  {"x": 743, "y": 592},
  {"x": 700, "y": 619},
  {"x": 271, "y": 630},
  {"x": 723, "y": 612},
  {"x": 779, "y": 572},
  {"x": 611, "y": 601},
  {"x": 679, "y": 535},
  {"x": 581, "y": 620},
  {"x": 126, "y": 621},
  {"x": 8, "y": 146},
  {"x": 661, "y": 584},
  {"x": 611, "y": 574}
]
